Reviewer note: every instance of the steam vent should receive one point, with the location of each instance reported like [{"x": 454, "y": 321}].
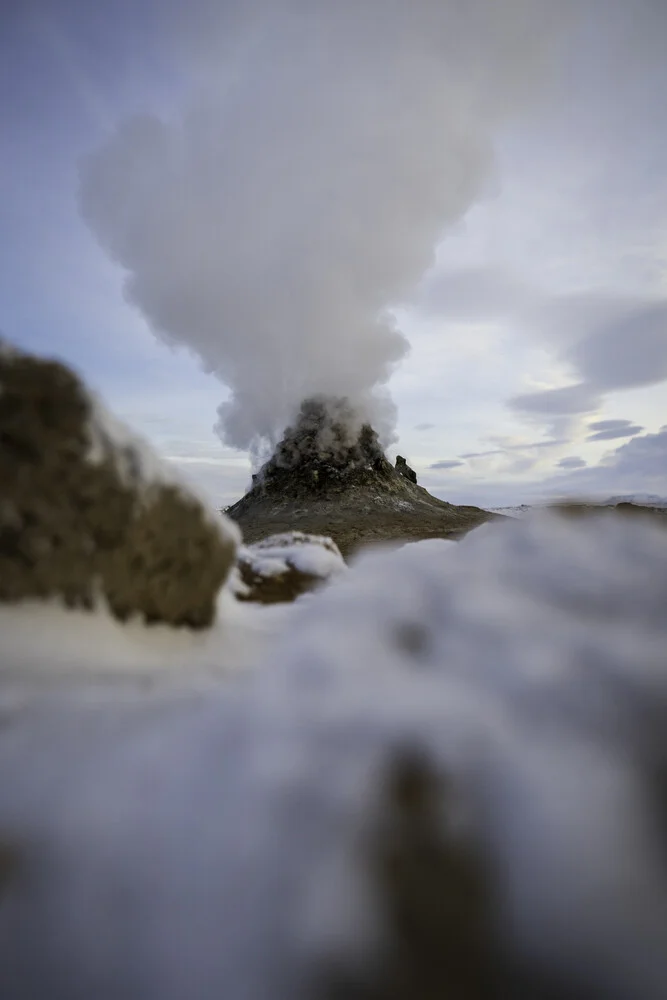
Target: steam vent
[{"x": 329, "y": 476}]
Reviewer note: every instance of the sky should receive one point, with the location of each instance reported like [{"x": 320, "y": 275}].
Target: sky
[{"x": 537, "y": 335}]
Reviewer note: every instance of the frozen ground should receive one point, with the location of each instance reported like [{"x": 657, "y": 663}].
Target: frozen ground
[{"x": 174, "y": 826}]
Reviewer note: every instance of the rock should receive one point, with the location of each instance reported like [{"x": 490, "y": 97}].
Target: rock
[
  {"x": 283, "y": 567},
  {"x": 404, "y": 469},
  {"x": 88, "y": 511},
  {"x": 435, "y": 891},
  {"x": 329, "y": 476}
]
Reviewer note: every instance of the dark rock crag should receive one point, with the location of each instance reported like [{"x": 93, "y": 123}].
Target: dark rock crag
[
  {"x": 404, "y": 469},
  {"x": 324, "y": 480}
]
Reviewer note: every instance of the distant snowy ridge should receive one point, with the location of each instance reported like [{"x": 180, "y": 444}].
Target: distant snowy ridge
[
  {"x": 640, "y": 499},
  {"x": 517, "y": 511}
]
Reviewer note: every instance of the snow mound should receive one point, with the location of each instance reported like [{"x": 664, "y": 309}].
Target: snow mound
[
  {"x": 282, "y": 567},
  {"x": 314, "y": 555},
  {"x": 450, "y": 766}
]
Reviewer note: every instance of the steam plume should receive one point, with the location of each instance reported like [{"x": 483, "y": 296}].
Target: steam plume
[{"x": 300, "y": 191}]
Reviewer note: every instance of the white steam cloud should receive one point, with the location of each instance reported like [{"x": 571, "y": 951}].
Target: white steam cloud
[{"x": 301, "y": 190}]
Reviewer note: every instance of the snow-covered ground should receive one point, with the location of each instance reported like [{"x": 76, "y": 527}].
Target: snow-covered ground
[
  {"x": 644, "y": 499},
  {"x": 43, "y": 640},
  {"x": 174, "y": 826},
  {"x": 519, "y": 511}
]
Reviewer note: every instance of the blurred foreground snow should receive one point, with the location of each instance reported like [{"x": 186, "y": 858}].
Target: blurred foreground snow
[{"x": 217, "y": 836}]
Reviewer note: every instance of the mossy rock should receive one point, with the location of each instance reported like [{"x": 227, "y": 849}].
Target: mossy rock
[{"x": 87, "y": 511}]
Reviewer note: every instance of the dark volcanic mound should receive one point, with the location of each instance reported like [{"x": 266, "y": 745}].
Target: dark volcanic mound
[{"x": 327, "y": 478}]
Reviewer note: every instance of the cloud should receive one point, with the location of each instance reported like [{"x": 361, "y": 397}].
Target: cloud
[
  {"x": 610, "y": 425},
  {"x": 524, "y": 446},
  {"x": 629, "y": 350},
  {"x": 639, "y": 466},
  {"x": 609, "y": 342},
  {"x": 645, "y": 455},
  {"x": 636, "y": 467},
  {"x": 300, "y": 190},
  {"x": 612, "y": 435},
  {"x": 510, "y": 457},
  {"x": 608, "y": 430},
  {"x": 424, "y": 427},
  {"x": 569, "y": 400},
  {"x": 221, "y": 483},
  {"x": 483, "y": 454},
  {"x": 473, "y": 293},
  {"x": 446, "y": 463}
]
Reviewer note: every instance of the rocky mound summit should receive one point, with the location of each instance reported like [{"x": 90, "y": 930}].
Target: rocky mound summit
[{"x": 330, "y": 476}]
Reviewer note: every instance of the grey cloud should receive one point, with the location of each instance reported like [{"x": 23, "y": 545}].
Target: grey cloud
[
  {"x": 614, "y": 435},
  {"x": 518, "y": 458},
  {"x": 636, "y": 467},
  {"x": 639, "y": 466},
  {"x": 222, "y": 483},
  {"x": 520, "y": 465},
  {"x": 483, "y": 454},
  {"x": 446, "y": 464},
  {"x": 628, "y": 351},
  {"x": 474, "y": 293},
  {"x": 609, "y": 425},
  {"x": 571, "y": 462},
  {"x": 612, "y": 343},
  {"x": 608, "y": 430},
  {"x": 528, "y": 446},
  {"x": 579, "y": 398},
  {"x": 424, "y": 427},
  {"x": 643, "y": 455}
]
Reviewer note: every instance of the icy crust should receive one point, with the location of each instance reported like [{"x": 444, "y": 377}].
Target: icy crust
[
  {"x": 238, "y": 845},
  {"x": 313, "y": 555},
  {"x": 282, "y": 567}
]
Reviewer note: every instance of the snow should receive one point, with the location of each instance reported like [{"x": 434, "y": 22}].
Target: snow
[
  {"x": 140, "y": 468},
  {"x": 201, "y": 840},
  {"x": 43, "y": 640},
  {"x": 312, "y": 555},
  {"x": 403, "y": 505},
  {"x": 519, "y": 511},
  {"x": 642, "y": 499}
]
